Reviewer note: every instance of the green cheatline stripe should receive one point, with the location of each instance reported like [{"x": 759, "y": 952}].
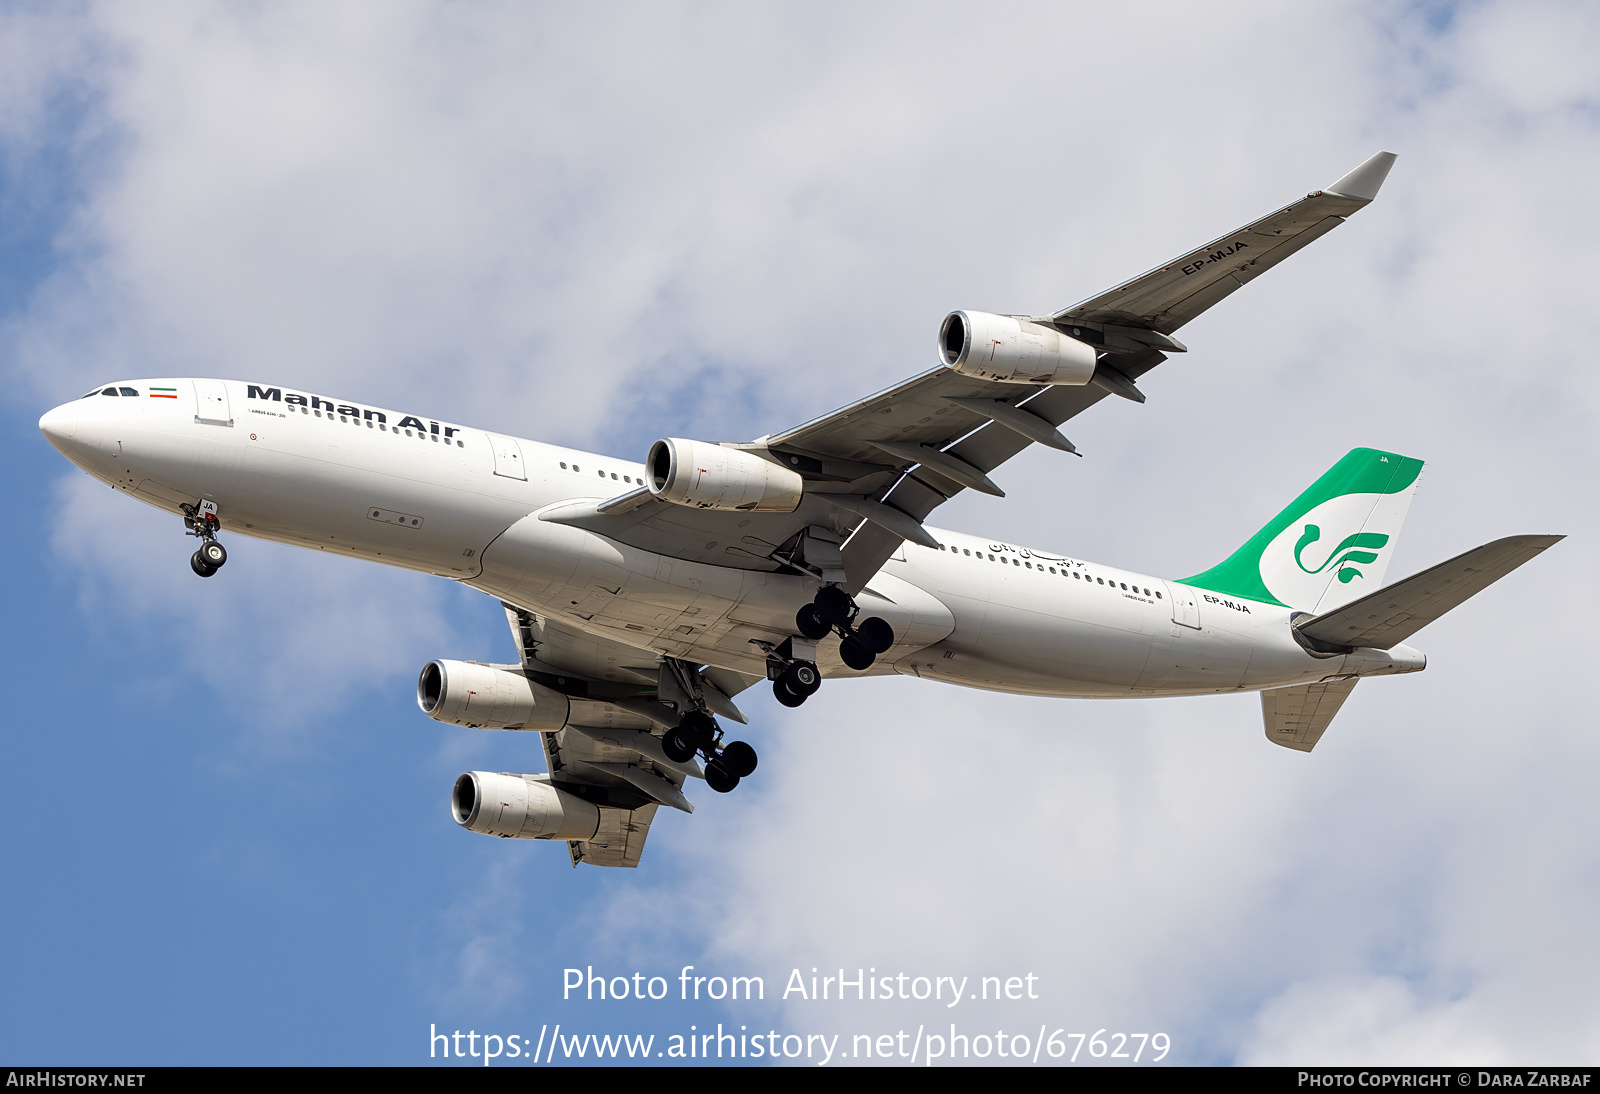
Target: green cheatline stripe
[{"x": 163, "y": 389}]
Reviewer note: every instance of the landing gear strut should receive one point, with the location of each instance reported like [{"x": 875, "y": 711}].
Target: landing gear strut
[
  {"x": 833, "y": 610},
  {"x": 201, "y": 520}
]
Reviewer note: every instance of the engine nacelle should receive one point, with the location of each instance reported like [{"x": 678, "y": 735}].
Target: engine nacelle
[
  {"x": 521, "y": 807},
  {"x": 465, "y": 693},
  {"x": 709, "y": 476},
  {"x": 1012, "y": 351}
]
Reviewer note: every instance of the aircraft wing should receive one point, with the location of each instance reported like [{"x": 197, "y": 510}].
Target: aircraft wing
[
  {"x": 1170, "y": 295},
  {"x": 875, "y": 469},
  {"x": 609, "y": 752}
]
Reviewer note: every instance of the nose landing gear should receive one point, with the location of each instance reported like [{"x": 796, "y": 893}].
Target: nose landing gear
[{"x": 201, "y": 520}]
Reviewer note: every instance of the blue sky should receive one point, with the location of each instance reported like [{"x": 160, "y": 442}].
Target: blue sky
[{"x": 225, "y": 822}]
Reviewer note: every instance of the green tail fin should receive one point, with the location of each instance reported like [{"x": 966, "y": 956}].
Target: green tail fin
[{"x": 1332, "y": 544}]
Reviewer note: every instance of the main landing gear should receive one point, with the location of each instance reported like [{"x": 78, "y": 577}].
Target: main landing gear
[
  {"x": 698, "y": 733},
  {"x": 795, "y": 680},
  {"x": 201, "y": 520}
]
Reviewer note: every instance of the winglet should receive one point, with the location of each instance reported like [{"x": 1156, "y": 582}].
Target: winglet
[{"x": 1363, "y": 183}]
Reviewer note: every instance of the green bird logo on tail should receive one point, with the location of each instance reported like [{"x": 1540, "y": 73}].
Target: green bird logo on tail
[{"x": 1356, "y": 550}]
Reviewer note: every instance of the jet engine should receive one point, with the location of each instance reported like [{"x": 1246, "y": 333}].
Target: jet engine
[
  {"x": 465, "y": 693},
  {"x": 521, "y": 807},
  {"x": 709, "y": 476},
  {"x": 1012, "y": 351}
]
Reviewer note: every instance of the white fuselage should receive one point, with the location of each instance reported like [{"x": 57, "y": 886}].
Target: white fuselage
[{"x": 466, "y": 505}]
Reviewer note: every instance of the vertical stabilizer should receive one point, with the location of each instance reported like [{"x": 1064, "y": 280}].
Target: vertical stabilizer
[{"x": 1332, "y": 544}]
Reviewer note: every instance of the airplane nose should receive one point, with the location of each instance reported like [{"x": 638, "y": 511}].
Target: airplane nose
[{"x": 60, "y": 425}]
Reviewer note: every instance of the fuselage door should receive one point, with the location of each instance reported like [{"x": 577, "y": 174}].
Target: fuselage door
[
  {"x": 211, "y": 403},
  {"x": 507, "y": 457},
  {"x": 1185, "y": 604}
]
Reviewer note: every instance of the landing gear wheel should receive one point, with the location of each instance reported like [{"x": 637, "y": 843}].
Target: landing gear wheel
[
  {"x": 719, "y": 778},
  {"x": 213, "y": 554},
  {"x": 802, "y": 678},
  {"x": 738, "y": 759},
  {"x": 810, "y": 624},
  {"x": 788, "y": 698},
  {"x": 678, "y": 750},
  {"x": 200, "y": 566},
  {"x": 834, "y": 606},
  {"x": 698, "y": 730},
  {"x": 856, "y": 655},
  {"x": 875, "y": 635}
]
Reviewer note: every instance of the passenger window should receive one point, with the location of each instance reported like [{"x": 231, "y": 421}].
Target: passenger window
[
  {"x": 1101, "y": 580},
  {"x": 127, "y": 391},
  {"x": 1158, "y": 596},
  {"x": 1124, "y": 586},
  {"x": 563, "y": 465}
]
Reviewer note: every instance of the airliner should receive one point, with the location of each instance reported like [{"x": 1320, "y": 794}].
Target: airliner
[{"x": 644, "y": 597}]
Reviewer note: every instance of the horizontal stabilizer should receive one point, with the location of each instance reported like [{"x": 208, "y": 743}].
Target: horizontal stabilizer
[
  {"x": 1393, "y": 614},
  {"x": 1297, "y": 716}
]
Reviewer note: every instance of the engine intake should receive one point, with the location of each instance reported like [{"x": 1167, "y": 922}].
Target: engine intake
[
  {"x": 465, "y": 693},
  {"x": 709, "y": 476},
  {"x": 521, "y": 807},
  {"x": 1012, "y": 351}
]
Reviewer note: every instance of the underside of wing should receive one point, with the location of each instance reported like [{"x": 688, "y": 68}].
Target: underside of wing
[
  {"x": 609, "y": 752},
  {"x": 871, "y": 472},
  {"x": 1167, "y": 297}
]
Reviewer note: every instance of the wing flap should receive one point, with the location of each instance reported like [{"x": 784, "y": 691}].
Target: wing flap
[
  {"x": 1389, "y": 616},
  {"x": 620, "y": 839}
]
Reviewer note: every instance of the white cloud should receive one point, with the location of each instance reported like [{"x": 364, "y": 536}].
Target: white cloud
[{"x": 604, "y": 225}]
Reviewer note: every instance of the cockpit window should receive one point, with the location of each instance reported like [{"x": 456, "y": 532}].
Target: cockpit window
[
  {"x": 128, "y": 391},
  {"x": 109, "y": 391}
]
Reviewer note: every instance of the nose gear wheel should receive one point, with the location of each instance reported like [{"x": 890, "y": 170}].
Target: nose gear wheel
[{"x": 201, "y": 520}]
